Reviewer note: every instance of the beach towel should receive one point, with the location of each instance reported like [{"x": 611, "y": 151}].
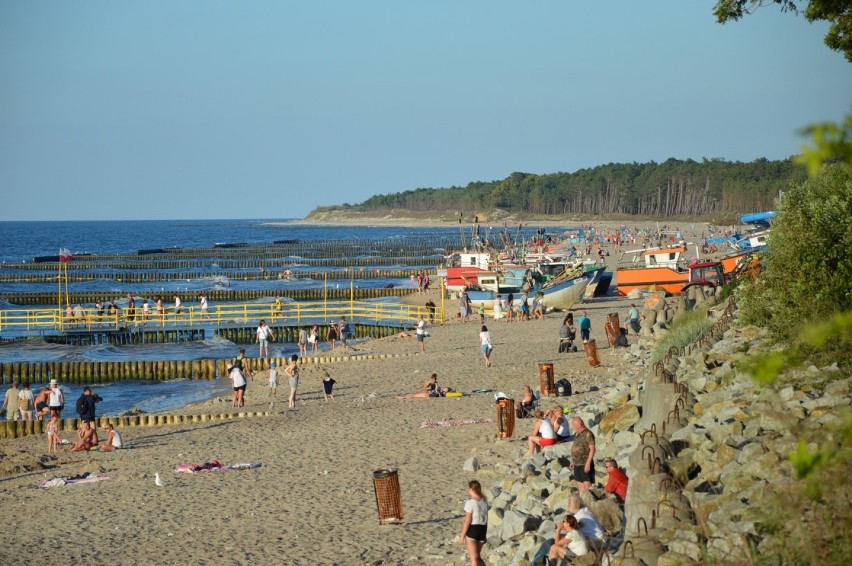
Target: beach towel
[
  {"x": 71, "y": 480},
  {"x": 213, "y": 466},
  {"x": 457, "y": 422}
]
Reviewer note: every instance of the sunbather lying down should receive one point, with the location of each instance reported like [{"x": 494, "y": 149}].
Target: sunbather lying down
[
  {"x": 441, "y": 392},
  {"x": 430, "y": 389}
]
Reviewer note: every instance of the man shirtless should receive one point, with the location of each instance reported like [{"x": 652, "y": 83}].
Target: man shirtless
[
  {"x": 41, "y": 408},
  {"x": 87, "y": 437}
]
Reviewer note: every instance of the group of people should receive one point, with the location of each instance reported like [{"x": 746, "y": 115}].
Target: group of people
[
  {"x": 506, "y": 307},
  {"x": 240, "y": 374},
  {"x": 23, "y": 404},
  {"x": 578, "y": 534}
]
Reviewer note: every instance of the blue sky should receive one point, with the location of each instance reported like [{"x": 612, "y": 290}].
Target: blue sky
[{"x": 223, "y": 109}]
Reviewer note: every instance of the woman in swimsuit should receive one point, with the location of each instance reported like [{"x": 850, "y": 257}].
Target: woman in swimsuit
[
  {"x": 430, "y": 389},
  {"x": 292, "y": 371}
]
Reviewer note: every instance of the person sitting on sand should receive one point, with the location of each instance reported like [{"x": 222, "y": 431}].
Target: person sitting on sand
[
  {"x": 113, "y": 440},
  {"x": 430, "y": 389},
  {"x": 87, "y": 437}
]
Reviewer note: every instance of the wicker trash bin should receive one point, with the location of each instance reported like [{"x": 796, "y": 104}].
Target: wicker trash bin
[{"x": 388, "y": 499}]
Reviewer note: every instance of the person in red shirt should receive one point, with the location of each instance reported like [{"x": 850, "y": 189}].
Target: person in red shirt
[{"x": 617, "y": 482}]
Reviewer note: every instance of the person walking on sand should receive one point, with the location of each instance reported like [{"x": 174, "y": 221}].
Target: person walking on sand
[
  {"x": 485, "y": 345},
  {"x": 332, "y": 335},
  {"x": 292, "y": 371},
  {"x": 273, "y": 380},
  {"x": 421, "y": 333},
  {"x": 238, "y": 381},
  {"x": 53, "y": 440},
  {"x": 327, "y": 385},
  {"x": 475, "y": 526},
  {"x": 242, "y": 362},
  {"x": 585, "y": 327},
  {"x": 343, "y": 326},
  {"x": 264, "y": 335}
]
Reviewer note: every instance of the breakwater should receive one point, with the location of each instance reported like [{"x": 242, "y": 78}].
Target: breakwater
[
  {"x": 199, "y": 369},
  {"x": 146, "y": 276},
  {"x": 235, "y": 334},
  {"x": 83, "y": 372},
  {"x": 214, "y": 295}
]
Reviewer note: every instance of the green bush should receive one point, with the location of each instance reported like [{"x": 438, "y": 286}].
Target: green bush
[{"x": 807, "y": 269}]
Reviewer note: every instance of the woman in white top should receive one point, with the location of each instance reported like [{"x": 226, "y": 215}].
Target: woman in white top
[
  {"x": 543, "y": 433},
  {"x": 421, "y": 333},
  {"x": 26, "y": 403},
  {"x": 475, "y": 524},
  {"x": 498, "y": 308},
  {"x": 239, "y": 383},
  {"x": 485, "y": 345},
  {"x": 569, "y": 541}
]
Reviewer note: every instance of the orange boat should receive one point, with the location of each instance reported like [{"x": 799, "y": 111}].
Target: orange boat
[{"x": 662, "y": 268}]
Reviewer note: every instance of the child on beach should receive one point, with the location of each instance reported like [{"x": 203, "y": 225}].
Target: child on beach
[
  {"x": 475, "y": 524},
  {"x": 292, "y": 371},
  {"x": 53, "y": 440},
  {"x": 481, "y": 313},
  {"x": 273, "y": 379},
  {"x": 327, "y": 385}
]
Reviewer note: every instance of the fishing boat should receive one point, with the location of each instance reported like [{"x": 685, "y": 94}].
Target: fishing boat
[
  {"x": 561, "y": 292},
  {"x": 663, "y": 268}
]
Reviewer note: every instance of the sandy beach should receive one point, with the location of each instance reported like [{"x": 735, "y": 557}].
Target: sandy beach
[{"x": 312, "y": 500}]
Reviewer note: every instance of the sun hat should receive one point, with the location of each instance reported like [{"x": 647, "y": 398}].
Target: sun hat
[{"x": 54, "y": 382}]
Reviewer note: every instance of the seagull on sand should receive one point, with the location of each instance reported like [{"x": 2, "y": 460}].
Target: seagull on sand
[{"x": 158, "y": 481}]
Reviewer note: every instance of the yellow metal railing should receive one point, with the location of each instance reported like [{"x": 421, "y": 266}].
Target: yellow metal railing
[{"x": 290, "y": 313}]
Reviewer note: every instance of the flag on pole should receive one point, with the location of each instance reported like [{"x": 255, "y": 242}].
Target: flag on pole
[{"x": 65, "y": 255}]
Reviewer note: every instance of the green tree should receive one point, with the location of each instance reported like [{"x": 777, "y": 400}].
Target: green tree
[
  {"x": 808, "y": 273},
  {"x": 837, "y": 12}
]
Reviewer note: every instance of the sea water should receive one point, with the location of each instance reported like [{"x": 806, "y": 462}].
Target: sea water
[{"x": 22, "y": 241}]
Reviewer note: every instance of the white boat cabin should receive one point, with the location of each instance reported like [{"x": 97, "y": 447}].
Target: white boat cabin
[{"x": 464, "y": 259}]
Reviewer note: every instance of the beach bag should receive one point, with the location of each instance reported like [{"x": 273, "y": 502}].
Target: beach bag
[
  {"x": 81, "y": 405},
  {"x": 563, "y": 388}
]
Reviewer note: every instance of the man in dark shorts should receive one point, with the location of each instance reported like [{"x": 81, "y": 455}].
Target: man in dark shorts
[
  {"x": 41, "y": 403},
  {"x": 583, "y": 454}
]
